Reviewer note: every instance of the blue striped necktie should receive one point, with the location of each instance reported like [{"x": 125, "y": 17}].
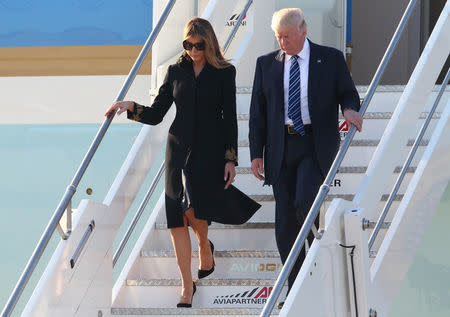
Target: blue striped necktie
[{"x": 294, "y": 110}]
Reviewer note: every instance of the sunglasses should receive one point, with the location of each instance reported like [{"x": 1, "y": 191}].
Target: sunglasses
[{"x": 200, "y": 46}]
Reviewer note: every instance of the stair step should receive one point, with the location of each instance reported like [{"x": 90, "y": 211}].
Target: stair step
[
  {"x": 363, "y": 142},
  {"x": 239, "y": 264},
  {"x": 355, "y": 156},
  {"x": 217, "y": 254},
  {"x": 385, "y": 98},
  {"x": 214, "y": 225},
  {"x": 380, "y": 115},
  {"x": 372, "y": 224},
  {"x": 266, "y": 213},
  {"x": 341, "y": 170},
  {"x": 372, "y": 128},
  {"x": 262, "y": 198},
  {"x": 202, "y": 282},
  {"x": 189, "y": 312},
  {"x": 211, "y": 293},
  {"x": 343, "y": 183},
  {"x": 258, "y": 236},
  {"x": 362, "y": 90}
]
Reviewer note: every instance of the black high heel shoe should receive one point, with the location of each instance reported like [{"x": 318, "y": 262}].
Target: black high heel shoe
[
  {"x": 187, "y": 305},
  {"x": 205, "y": 273}
]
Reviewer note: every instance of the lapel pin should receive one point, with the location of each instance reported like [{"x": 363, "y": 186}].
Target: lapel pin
[{"x": 319, "y": 61}]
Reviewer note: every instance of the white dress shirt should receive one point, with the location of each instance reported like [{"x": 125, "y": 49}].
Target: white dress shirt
[{"x": 303, "y": 61}]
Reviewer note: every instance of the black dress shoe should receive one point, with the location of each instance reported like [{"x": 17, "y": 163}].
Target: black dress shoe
[
  {"x": 205, "y": 273},
  {"x": 280, "y": 305},
  {"x": 187, "y": 305}
]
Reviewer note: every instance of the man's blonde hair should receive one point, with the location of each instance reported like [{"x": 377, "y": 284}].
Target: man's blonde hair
[{"x": 288, "y": 17}]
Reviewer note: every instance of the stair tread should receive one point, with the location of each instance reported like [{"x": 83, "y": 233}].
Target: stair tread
[
  {"x": 248, "y": 225},
  {"x": 262, "y": 198},
  {"x": 217, "y": 254},
  {"x": 362, "y": 89},
  {"x": 202, "y": 282},
  {"x": 341, "y": 170},
  {"x": 380, "y": 115},
  {"x": 190, "y": 311},
  {"x": 360, "y": 142}
]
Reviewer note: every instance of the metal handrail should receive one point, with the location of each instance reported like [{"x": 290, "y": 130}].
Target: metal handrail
[
  {"x": 138, "y": 214},
  {"x": 158, "y": 176},
  {"x": 408, "y": 161},
  {"x": 324, "y": 189},
  {"x": 70, "y": 191}
]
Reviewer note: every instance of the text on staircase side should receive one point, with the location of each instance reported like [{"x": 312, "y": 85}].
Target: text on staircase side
[
  {"x": 255, "y": 267},
  {"x": 234, "y": 18},
  {"x": 255, "y": 296}
]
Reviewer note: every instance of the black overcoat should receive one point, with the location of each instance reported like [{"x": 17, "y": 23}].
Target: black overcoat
[{"x": 202, "y": 138}]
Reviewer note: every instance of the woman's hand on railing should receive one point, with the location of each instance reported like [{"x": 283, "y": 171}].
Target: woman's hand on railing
[{"x": 122, "y": 106}]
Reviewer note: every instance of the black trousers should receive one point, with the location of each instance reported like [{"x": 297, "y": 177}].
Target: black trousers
[{"x": 294, "y": 192}]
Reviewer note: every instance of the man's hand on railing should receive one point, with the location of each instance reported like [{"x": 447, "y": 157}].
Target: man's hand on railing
[
  {"x": 354, "y": 117},
  {"x": 122, "y": 106}
]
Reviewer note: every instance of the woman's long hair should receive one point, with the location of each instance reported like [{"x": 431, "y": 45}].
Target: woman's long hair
[{"x": 201, "y": 28}]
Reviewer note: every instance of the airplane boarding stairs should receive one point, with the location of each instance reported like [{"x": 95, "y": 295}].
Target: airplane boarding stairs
[
  {"x": 246, "y": 257},
  {"x": 247, "y": 261},
  {"x": 78, "y": 279}
]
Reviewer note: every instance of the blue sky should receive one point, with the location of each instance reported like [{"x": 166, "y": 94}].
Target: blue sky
[{"x": 74, "y": 22}]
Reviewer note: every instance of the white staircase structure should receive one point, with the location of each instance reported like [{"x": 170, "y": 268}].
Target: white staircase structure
[{"x": 78, "y": 281}]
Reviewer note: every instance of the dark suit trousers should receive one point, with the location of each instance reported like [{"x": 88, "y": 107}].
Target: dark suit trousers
[{"x": 295, "y": 191}]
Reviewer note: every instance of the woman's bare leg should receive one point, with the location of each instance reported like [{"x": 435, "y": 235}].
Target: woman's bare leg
[
  {"x": 182, "y": 246},
  {"x": 200, "y": 228}
]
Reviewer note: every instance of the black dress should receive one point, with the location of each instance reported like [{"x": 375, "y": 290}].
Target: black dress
[{"x": 202, "y": 138}]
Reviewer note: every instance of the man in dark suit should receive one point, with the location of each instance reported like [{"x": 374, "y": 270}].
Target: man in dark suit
[{"x": 296, "y": 95}]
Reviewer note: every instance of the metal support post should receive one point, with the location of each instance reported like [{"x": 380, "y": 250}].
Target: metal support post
[{"x": 357, "y": 237}]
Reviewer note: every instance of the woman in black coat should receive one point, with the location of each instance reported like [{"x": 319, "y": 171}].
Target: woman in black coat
[{"x": 201, "y": 152}]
